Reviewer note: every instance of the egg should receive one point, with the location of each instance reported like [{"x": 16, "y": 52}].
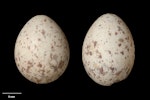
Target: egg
[
  {"x": 108, "y": 50},
  {"x": 41, "y": 50}
]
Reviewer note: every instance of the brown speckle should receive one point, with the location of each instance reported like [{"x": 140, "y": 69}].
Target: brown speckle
[
  {"x": 30, "y": 63},
  {"x": 45, "y": 20},
  {"x": 61, "y": 64},
  {"x": 127, "y": 38},
  {"x": 131, "y": 44},
  {"x": 39, "y": 39},
  {"x": 55, "y": 57},
  {"x": 94, "y": 42},
  {"x": 37, "y": 80},
  {"x": 116, "y": 53},
  {"x": 36, "y": 26},
  {"x": 35, "y": 55},
  {"x": 100, "y": 56},
  {"x": 126, "y": 47},
  {"x": 18, "y": 65},
  {"x": 119, "y": 21},
  {"x": 120, "y": 40},
  {"x": 16, "y": 59},
  {"x": 119, "y": 28},
  {"x": 122, "y": 52},
  {"x": 24, "y": 31},
  {"x": 88, "y": 46},
  {"x": 29, "y": 47},
  {"x": 28, "y": 68},
  {"x": 109, "y": 34},
  {"x": 119, "y": 44},
  {"x": 109, "y": 51},
  {"x": 22, "y": 69},
  {"x": 112, "y": 69},
  {"x": 39, "y": 65},
  {"x": 118, "y": 73}
]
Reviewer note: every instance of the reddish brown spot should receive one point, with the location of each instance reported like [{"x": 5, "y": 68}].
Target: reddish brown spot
[
  {"x": 116, "y": 33},
  {"x": 43, "y": 32},
  {"x": 39, "y": 65},
  {"x": 100, "y": 56},
  {"x": 122, "y": 52},
  {"x": 90, "y": 53},
  {"x": 101, "y": 70},
  {"x": 121, "y": 40},
  {"x": 61, "y": 64}
]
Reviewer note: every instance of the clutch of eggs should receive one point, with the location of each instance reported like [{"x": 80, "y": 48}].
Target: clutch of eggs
[
  {"x": 41, "y": 50},
  {"x": 108, "y": 50}
]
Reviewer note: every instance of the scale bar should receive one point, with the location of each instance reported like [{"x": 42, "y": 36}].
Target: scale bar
[{"x": 11, "y": 92}]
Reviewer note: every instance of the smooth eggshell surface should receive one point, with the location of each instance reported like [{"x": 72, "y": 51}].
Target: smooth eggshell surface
[
  {"x": 41, "y": 50},
  {"x": 108, "y": 50}
]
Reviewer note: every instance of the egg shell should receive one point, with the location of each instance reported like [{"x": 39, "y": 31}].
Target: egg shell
[
  {"x": 108, "y": 50},
  {"x": 41, "y": 50}
]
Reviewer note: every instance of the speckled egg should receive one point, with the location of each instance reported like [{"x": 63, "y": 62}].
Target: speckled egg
[
  {"x": 41, "y": 50},
  {"x": 108, "y": 50}
]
